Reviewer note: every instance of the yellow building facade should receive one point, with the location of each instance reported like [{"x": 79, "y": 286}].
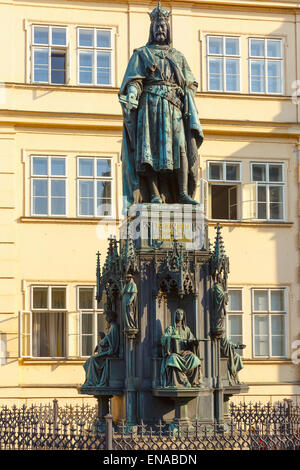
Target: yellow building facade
[{"x": 61, "y": 178}]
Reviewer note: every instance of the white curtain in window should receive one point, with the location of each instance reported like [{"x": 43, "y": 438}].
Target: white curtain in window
[{"x": 49, "y": 334}]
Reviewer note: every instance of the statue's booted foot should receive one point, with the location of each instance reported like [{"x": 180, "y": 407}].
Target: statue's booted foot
[{"x": 185, "y": 199}]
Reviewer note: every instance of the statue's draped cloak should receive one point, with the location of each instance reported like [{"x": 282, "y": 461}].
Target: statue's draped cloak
[
  {"x": 96, "y": 366},
  {"x": 184, "y": 361},
  {"x": 158, "y": 131},
  {"x": 129, "y": 307},
  {"x": 235, "y": 363}
]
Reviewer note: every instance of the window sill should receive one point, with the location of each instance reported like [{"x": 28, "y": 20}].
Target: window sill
[
  {"x": 254, "y": 361},
  {"x": 69, "y": 220},
  {"x": 239, "y": 223},
  {"x": 49, "y": 361}
]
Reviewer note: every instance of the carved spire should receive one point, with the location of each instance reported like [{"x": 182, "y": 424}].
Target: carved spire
[{"x": 219, "y": 261}]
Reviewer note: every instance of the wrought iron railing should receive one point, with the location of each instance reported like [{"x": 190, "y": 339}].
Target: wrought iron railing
[{"x": 53, "y": 427}]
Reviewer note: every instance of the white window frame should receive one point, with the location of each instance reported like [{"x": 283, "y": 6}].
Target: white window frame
[
  {"x": 95, "y": 312},
  {"x": 50, "y": 46},
  {"x": 42, "y": 310},
  {"x": 224, "y": 56},
  {"x": 265, "y": 59},
  {"x": 269, "y": 313},
  {"x": 224, "y": 182},
  {"x": 49, "y": 177},
  {"x": 236, "y": 313},
  {"x": 267, "y": 183},
  {"x": 95, "y": 179},
  {"x": 94, "y": 49}
]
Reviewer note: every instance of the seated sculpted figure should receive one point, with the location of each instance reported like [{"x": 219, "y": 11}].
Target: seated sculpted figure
[
  {"x": 181, "y": 364},
  {"x": 96, "y": 367},
  {"x": 235, "y": 363}
]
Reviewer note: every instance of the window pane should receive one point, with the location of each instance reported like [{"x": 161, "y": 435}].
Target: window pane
[
  {"x": 275, "y": 173},
  {"x": 58, "y": 206},
  {"x": 40, "y": 188},
  {"x": 86, "y": 206},
  {"x": 216, "y": 74},
  {"x": 41, "y": 35},
  {"x": 86, "y": 299},
  {"x": 103, "y": 189},
  {"x": 276, "y": 211},
  {"x": 58, "y": 188},
  {"x": 232, "y": 172},
  {"x": 257, "y": 76},
  {"x": 258, "y": 172},
  {"x": 86, "y": 37},
  {"x": 276, "y": 193},
  {"x": 262, "y": 210},
  {"x": 103, "y": 38},
  {"x": 274, "y": 76},
  {"x": 87, "y": 345},
  {"x": 86, "y": 167},
  {"x": 103, "y": 168},
  {"x": 235, "y": 300},
  {"x": 261, "y": 300},
  {"x": 274, "y": 48},
  {"x": 257, "y": 47},
  {"x": 101, "y": 324},
  {"x": 103, "y": 77},
  {"x": 40, "y": 166},
  {"x": 232, "y": 46},
  {"x": 59, "y": 36},
  {"x": 41, "y": 65},
  {"x": 235, "y": 325},
  {"x": 58, "y": 167},
  {"x": 87, "y": 323},
  {"x": 261, "y": 330},
  {"x": 277, "y": 324},
  {"x": 262, "y": 193},
  {"x": 261, "y": 346},
  {"x": 103, "y": 68},
  {"x": 86, "y": 189},
  {"x": 232, "y": 75},
  {"x": 58, "y": 297},
  {"x": 58, "y": 64},
  {"x": 278, "y": 345},
  {"x": 40, "y": 297},
  {"x": 85, "y": 67},
  {"x": 103, "y": 207},
  {"x": 215, "y": 45},
  {"x": 40, "y": 206},
  {"x": 216, "y": 171},
  {"x": 49, "y": 334}
]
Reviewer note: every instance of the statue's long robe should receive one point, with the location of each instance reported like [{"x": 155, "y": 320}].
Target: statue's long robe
[
  {"x": 235, "y": 363},
  {"x": 158, "y": 131},
  {"x": 96, "y": 366},
  {"x": 178, "y": 368}
]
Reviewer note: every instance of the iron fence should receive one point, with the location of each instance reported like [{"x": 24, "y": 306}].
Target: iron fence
[{"x": 54, "y": 427}]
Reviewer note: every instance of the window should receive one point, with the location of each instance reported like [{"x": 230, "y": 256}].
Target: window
[
  {"x": 266, "y": 66},
  {"x": 269, "y": 322},
  {"x": 49, "y": 54},
  {"x": 94, "y": 187},
  {"x": 95, "y": 56},
  {"x": 43, "y": 329},
  {"x": 270, "y": 190},
  {"x": 223, "y": 63},
  {"x": 92, "y": 321},
  {"x": 224, "y": 189},
  {"x": 235, "y": 318},
  {"x": 48, "y": 186}
]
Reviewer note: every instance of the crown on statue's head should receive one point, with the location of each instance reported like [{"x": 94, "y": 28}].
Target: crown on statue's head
[{"x": 159, "y": 13}]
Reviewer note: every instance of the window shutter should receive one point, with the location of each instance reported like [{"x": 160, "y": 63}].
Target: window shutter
[
  {"x": 249, "y": 201},
  {"x": 204, "y": 196},
  {"x": 25, "y": 333}
]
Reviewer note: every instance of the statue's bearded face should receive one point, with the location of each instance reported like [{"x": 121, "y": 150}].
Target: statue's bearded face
[{"x": 160, "y": 31}]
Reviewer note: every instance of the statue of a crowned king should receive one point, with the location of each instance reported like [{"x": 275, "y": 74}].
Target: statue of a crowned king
[{"x": 162, "y": 131}]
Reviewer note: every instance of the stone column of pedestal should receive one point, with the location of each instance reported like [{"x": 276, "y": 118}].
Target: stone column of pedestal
[{"x": 130, "y": 385}]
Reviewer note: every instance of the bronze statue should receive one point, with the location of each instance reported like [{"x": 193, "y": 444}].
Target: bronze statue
[
  {"x": 96, "y": 367},
  {"x": 129, "y": 304},
  {"x": 162, "y": 131},
  {"x": 181, "y": 363},
  {"x": 235, "y": 363}
]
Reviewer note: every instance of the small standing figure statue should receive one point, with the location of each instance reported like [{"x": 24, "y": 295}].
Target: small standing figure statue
[
  {"x": 181, "y": 363},
  {"x": 235, "y": 363},
  {"x": 219, "y": 301},
  {"x": 129, "y": 304},
  {"x": 96, "y": 367}
]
